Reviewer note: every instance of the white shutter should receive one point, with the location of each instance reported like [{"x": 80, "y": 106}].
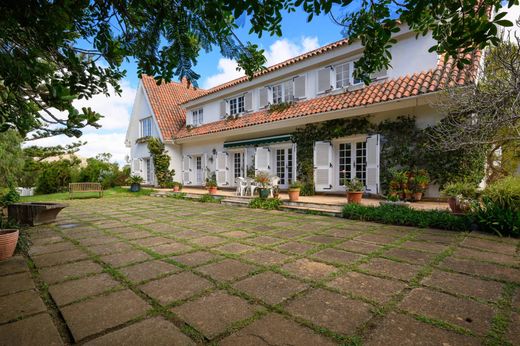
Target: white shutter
[
  {"x": 135, "y": 166},
  {"x": 263, "y": 101},
  {"x": 324, "y": 80},
  {"x": 373, "y": 153},
  {"x": 142, "y": 172},
  {"x": 323, "y": 157},
  {"x": 222, "y": 169},
  {"x": 186, "y": 170},
  {"x": 248, "y": 101},
  {"x": 204, "y": 167},
  {"x": 223, "y": 109},
  {"x": 299, "y": 87},
  {"x": 262, "y": 159}
]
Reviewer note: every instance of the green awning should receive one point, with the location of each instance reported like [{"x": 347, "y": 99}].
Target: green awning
[{"x": 258, "y": 141}]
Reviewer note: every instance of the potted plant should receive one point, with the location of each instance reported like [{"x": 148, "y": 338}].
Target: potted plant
[
  {"x": 177, "y": 186},
  {"x": 355, "y": 189},
  {"x": 419, "y": 184},
  {"x": 460, "y": 196},
  {"x": 8, "y": 234},
  {"x": 263, "y": 179},
  {"x": 276, "y": 191},
  {"x": 294, "y": 191},
  {"x": 135, "y": 183},
  {"x": 211, "y": 184}
]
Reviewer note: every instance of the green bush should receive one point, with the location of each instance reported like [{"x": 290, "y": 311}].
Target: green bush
[
  {"x": 208, "y": 199},
  {"x": 403, "y": 215},
  {"x": 55, "y": 176},
  {"x": 460, "y": 189},
  {"x": 499, "y": 209},
  {"x": 269, "y": 203},
  {"x": 99, "y": 169},
  {"x": 10, "y": 197}
]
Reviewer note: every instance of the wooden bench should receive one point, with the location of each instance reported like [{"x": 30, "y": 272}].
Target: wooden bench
[{"x": 85, "y": 187}]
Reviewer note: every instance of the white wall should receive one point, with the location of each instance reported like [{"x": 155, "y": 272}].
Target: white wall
[{"x": 409, "y": 55}]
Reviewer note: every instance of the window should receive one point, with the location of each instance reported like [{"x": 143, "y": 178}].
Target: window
[
  {"x": 236, "y": 105},
  {"x": 345, "y": 75},
  {"x": 197, "y": 117},
  {"x": 342, "y": 75},
  {"x": 361, "y": 161},
  {"x": 146, "y": 127},
  {"x": 283, "y": 92},
  {"x": 237, "y": 171},
  {"x": 345, "y": 157}
]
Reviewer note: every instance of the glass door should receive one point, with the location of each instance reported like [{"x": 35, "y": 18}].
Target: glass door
[
  {"x": 352, "y": 162},
  {"x": 238, "y": 165},
  {"x": 284, "y": 164},
  {"x": 198, "y": 170}
]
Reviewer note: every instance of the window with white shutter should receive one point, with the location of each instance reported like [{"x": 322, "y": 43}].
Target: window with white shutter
[
  {"x": 263, "y": 160},
  {"x": 323, "y": 156},
  {"x": 223, "y": 109},
  {"x": 248, "y": 101},
  {"x": 186, "y": 170},
  {"x": 324, "y": 79},
  {"x": 299, "y": 87},
  {"x": 372, "y": 164},
  {"x": 263, "y": 97},
  {"x": 222, "y": 169}
]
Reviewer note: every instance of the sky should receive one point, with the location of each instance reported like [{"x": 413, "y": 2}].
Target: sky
[{"x": 298, "y": 37}]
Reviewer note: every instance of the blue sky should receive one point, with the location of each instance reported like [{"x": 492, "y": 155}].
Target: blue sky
[{"x": 298, "y": 37}]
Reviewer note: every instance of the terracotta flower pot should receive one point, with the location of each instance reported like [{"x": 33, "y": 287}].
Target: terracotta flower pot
[
  {"x": 354, "y": 197},
  {"x": 455, "y": 206},
  {"x": 8, "y": 240},
  {"x": 212, "y": 190},
  {"x": 294, "y": 195},
  {"x": 176, "y": 188},
  {"x": 417, "y": 196}
]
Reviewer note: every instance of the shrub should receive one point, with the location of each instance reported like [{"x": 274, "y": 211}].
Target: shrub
[
  {"x": 269, "y": 203},
  {"x": 10, "y": 197},
  {"x": 99, "y": 169},
  {"x": 402, "y": 215},
  {"x": 499, "y": 209},
  {"x": 208, "y": 199},
  {"x": 460, "y": 189},
  {"x": 55, "y": 176}
]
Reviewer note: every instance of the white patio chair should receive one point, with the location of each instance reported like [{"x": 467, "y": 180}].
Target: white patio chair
[
  {"x": 273, "y": 184},
  {"x": 251, "y": 186},
  {"x": 241, "y": 186}
]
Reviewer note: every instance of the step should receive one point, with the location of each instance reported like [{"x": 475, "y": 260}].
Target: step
[
  {"x": 334, "y": 207},
  {"x": 309, "y": 210},
  {"x": 235, "y": 202}
]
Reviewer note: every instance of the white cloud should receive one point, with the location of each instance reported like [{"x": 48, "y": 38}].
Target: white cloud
[
  {"x": 513, "y": 15},
  {"x": 113, "y": 143},
  {"x": 279, "y": 51}
]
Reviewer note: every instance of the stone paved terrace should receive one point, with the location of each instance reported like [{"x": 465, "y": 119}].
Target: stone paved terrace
[{"x": 160, "y": 271}]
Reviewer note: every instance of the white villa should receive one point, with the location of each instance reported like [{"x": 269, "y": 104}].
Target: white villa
[{"x": 230, "y": 130}]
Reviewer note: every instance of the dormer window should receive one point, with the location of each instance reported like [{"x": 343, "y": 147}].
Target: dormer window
[
  {"x": 236, "y": 105},
  {"x": 345, "y": 75},
  {"x": 283, "y": 92},
  {"x": 145, "y": 127},
  {"x": 197, "y": 117}
]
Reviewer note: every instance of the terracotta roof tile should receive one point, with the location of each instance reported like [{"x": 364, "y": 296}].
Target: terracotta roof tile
[
  {"x": 166, "y": 100},
  {"x": 419, "y": 83}
]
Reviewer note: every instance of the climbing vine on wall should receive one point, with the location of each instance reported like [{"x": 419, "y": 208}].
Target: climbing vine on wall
[
  {"x": 403, "y": 146},
  {"x": 161, "y": 162}
]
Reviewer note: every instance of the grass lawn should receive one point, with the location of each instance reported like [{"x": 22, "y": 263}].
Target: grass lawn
[{"x": 110, "y": 193}]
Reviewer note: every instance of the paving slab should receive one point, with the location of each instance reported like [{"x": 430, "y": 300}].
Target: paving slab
[
  {"x": 330, "y": 310},
  {"x": 464, "y": 285},
  {"x": 397, "y": 329},
  {"x": 111, "y": 248},
  {"x": 266, "y": 257},
  {"x": 70, "y": 291},
  {"x": 264, "y": 240},
  {"x": 151, "y": 241},
  {"x": 213, "y": 314},
  {"x": 296, "y": 247},
  {"x": 236, "y": 234},
  {"x": 193, "y": 259},
  {"x": 482, "y": 269},
  {"x": 101, "y": 313},
  {"x": 270, "y": 287},
  {"x": 227, "y": 270},
  {"x": 486, "y": 256},
  {"x": 150, "y": 332},
  {"x": 50, "y": 248},
  {"x": 322, "y": 239},
  {"x": 170, "y": 248},
  {"x": 13, "y": 265},
  {"x": 175, "y": 287},
  {"x": 234, "y": 248},
  {"x": 208, "y": 240},
  {"x": 53, "y": 259},
  {"x": 410, "y": 256},
  {"x": 424, "y": 246},
  {"x": 69, "y": 271},
  {"x": 337, "y": 256},
  {"x": 513, "y": 333},
  {"x": 487, "y": 245},
  {"x": 273, "y": 329},
  {"x": 309, "y": 269},
  {"x": 462, "y": 312},
  {"x": 122, "y": 259},
  {"x": 19, "y": 305},
  {"x": 399, "y": 270},
  {"x": 371, "y": 287},
  {"x": 359, "y": 246},
  {"x": 32, "y": 331},
  {"x": 377, "y": 238},
  {"x": 148, "y": 270},
  {"x": 15, "y": 283}
]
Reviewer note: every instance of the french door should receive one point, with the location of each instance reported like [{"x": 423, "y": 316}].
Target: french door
[
  {"x": 198, "y": 170},
  {"x": 284, "y": 166},
  {"x": 149, "y": 173},
  {"x": 238, "y": 165},
  {"x": 352, "y": 162}
]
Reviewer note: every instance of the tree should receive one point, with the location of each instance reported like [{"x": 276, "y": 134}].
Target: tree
[
  {"x": 486, "y": 114},
  {"x": 53, "y": 52},
  {"x": 11, "y": 157}
]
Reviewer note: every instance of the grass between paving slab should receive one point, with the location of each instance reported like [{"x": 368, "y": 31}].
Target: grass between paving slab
[{"x": 380, "y": 311}]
